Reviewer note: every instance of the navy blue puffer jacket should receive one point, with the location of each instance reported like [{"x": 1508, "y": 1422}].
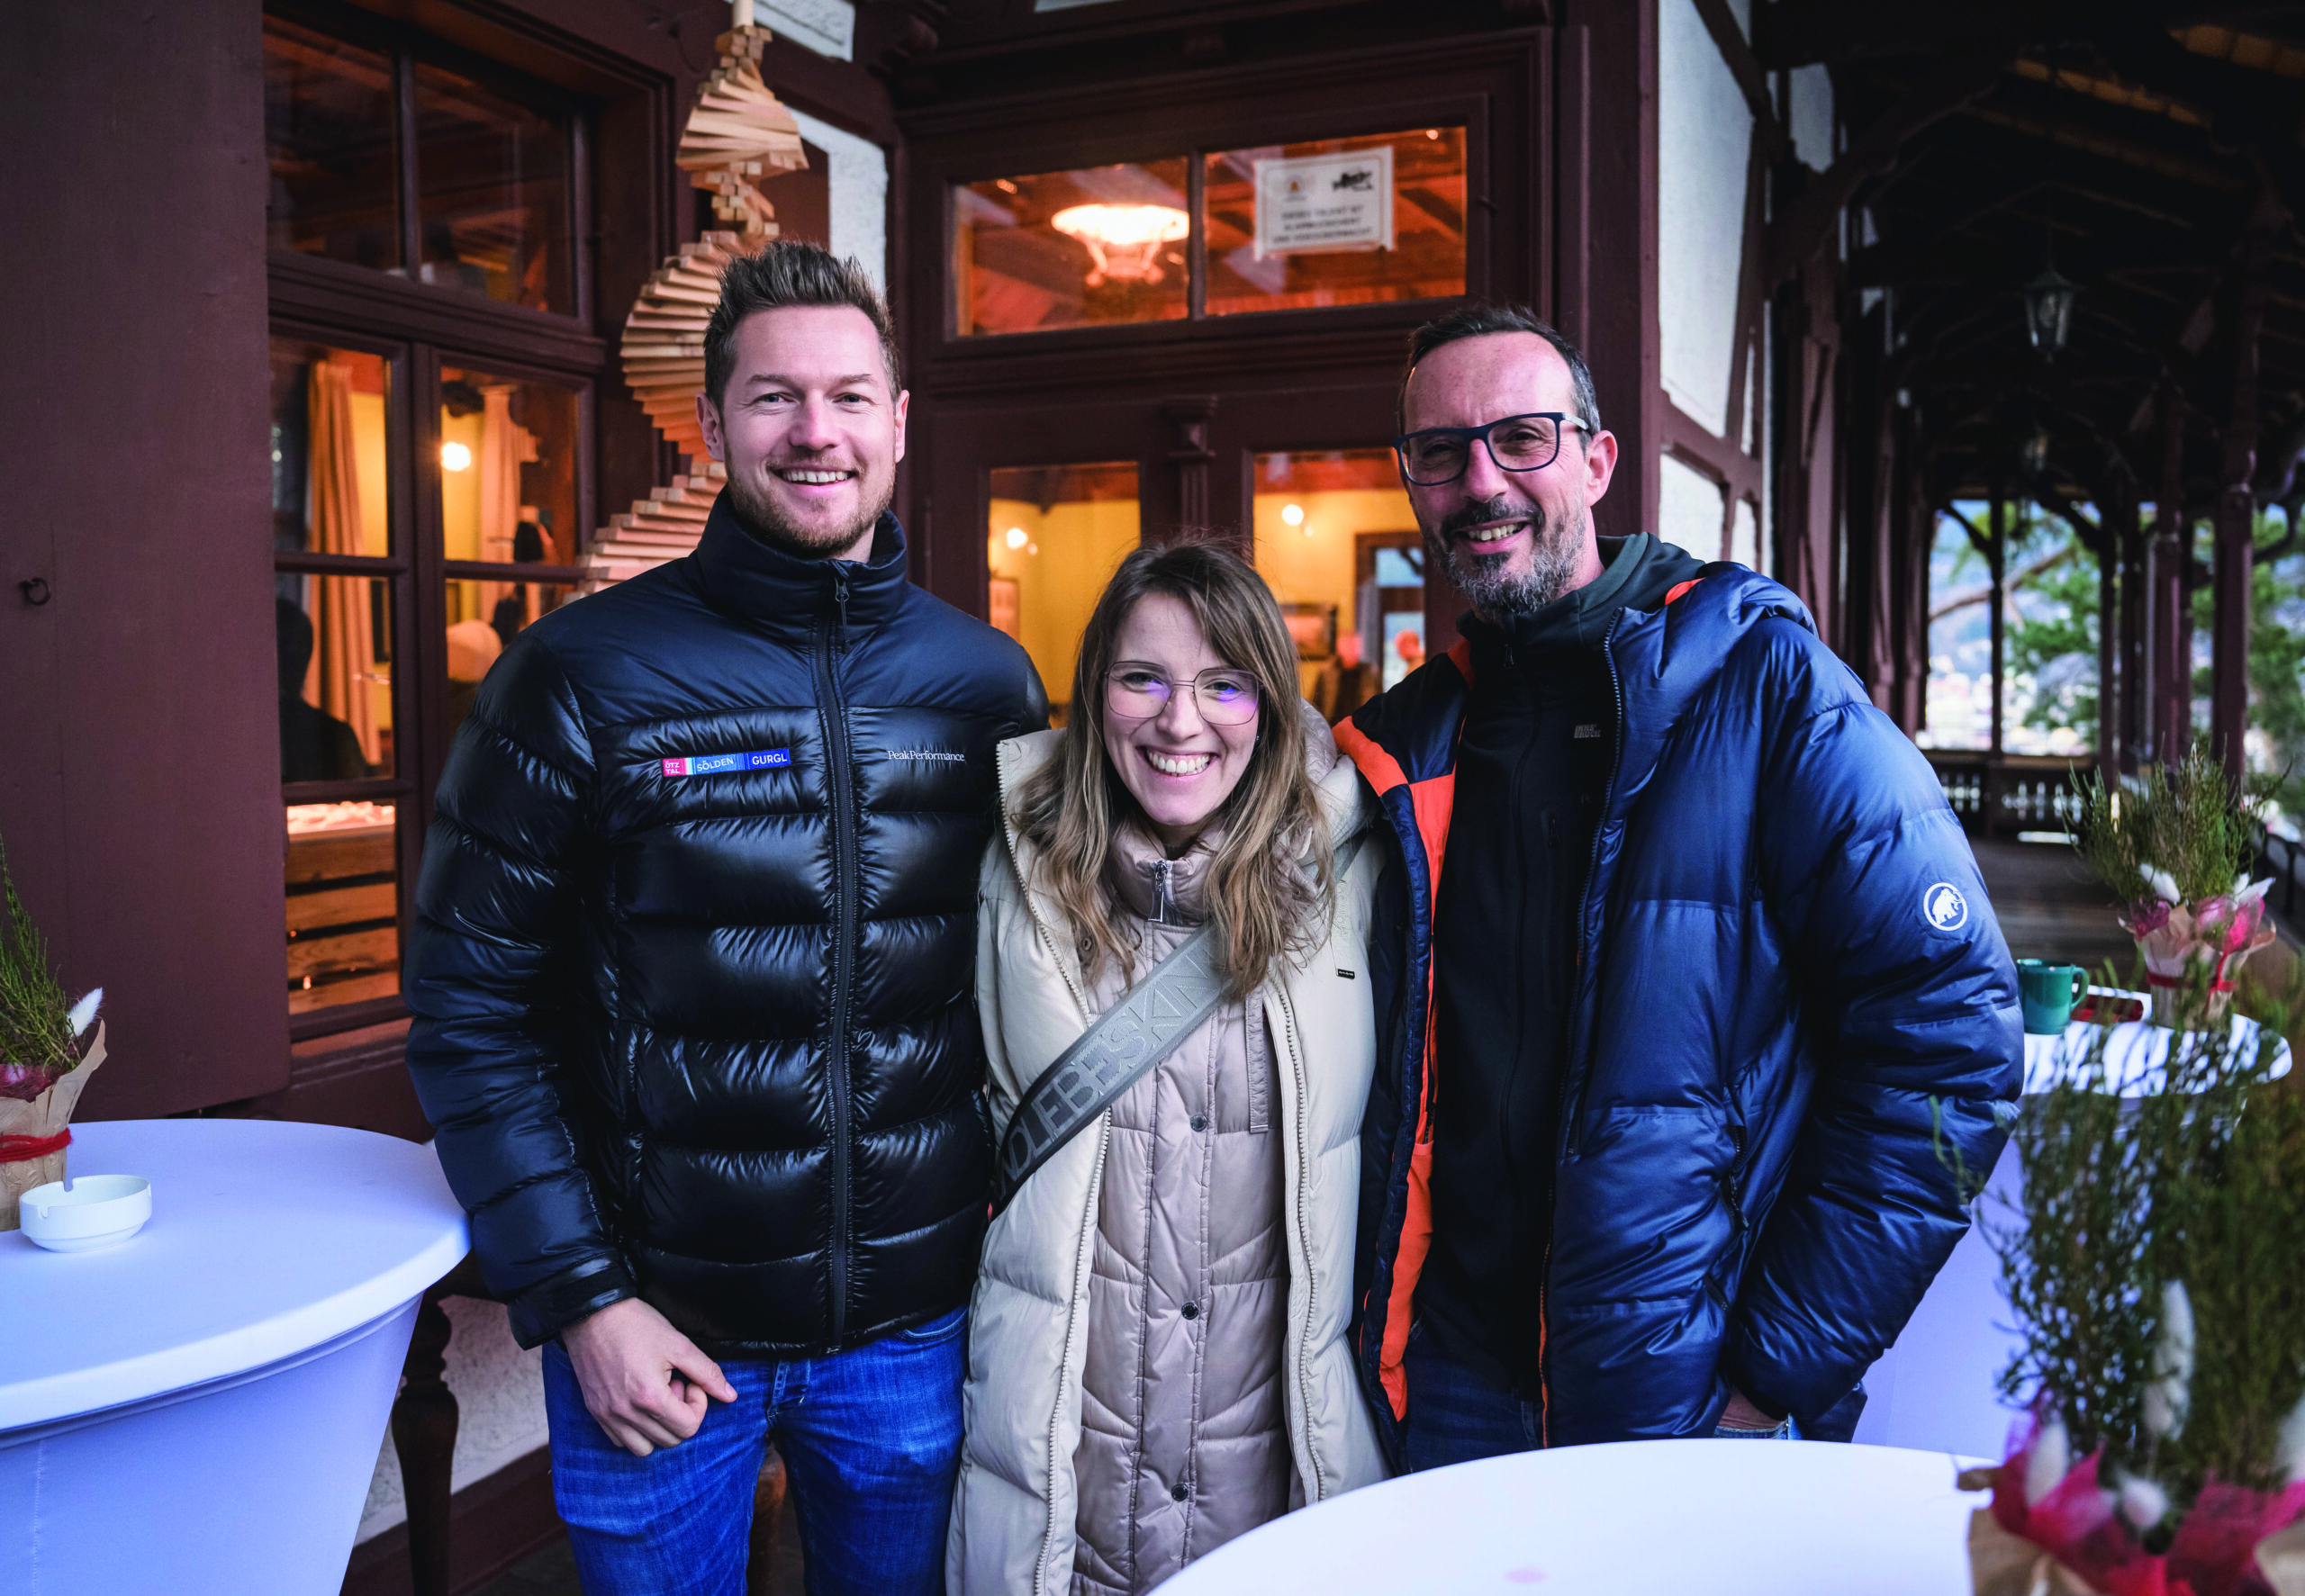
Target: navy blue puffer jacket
[
  {"x": 1787, "y": 967},
  {"x": 693, "y": 967}
]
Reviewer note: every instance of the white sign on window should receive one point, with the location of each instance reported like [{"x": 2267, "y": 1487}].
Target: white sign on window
[{"x": 1322, "y": 204}]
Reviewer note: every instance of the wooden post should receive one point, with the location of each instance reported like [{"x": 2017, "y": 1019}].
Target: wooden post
[
  {"x": 1190, "y": 454},
  {"x": 2131, "y": 732},
  {"x": 2109, "y": 582},
  {"x": 1998, "y": 558},
  {"x": 2170, "y": 649},
  {"x": 424, "y": 1435},
  {"x": 2235, "y": 536}
]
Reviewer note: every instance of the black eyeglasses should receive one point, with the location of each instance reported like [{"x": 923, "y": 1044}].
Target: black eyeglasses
[{"x": 1438, "y": 456}]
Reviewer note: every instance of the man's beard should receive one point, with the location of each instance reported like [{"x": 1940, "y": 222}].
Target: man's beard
[
  {"x": 758, "y": 514},
  {"x": 1495, "y": 591}
]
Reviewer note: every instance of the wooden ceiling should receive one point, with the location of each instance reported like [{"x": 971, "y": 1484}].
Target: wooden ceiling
[{"x": 2154, "y": 152}]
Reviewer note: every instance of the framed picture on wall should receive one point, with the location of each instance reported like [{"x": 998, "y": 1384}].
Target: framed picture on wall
[
  {"x": 1314, "y": 626},
  {"x": 1003, "y": 606}
]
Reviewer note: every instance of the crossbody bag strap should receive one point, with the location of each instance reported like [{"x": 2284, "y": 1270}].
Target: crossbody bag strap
[{"x": 1150, "y": 1022}]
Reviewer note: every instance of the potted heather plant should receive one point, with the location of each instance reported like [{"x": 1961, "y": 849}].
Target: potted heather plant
[
  {"x": 2174, "y": 846},
  {"x": 2152, "y": 1263},
  {"x": 49, "y": 1048}
]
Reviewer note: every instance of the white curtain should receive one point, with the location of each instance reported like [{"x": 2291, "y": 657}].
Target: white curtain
[{"x": 344, "y": 653}]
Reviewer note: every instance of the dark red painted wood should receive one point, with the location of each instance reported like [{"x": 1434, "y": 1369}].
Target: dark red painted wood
[{"x": 140, "y": 763}]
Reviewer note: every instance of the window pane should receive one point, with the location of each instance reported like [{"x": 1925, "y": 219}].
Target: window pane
[
  {"x": 1055, "y": 535},
  {"x": 1336, "y": 221},
  {"x": 508, "y": 469},
  {"x": 1958, "y": 713},
  {"x": 328, "y": 411},
  {"x": 335, "y": 636},
  {"x": 493, "y": 194},
  {"x": 1336, "y": 541},
  {"x": 343, "y": 904},
  {"x": 1084, "y": 248},
  {"x": 327, "y": 136},
  {"x": 484, "y": 618}
]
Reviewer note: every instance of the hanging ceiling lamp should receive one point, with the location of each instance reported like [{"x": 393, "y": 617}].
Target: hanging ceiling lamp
[
  {"x": 1124, "y": 241},
  {"x": 2033, "y": 454},
  {"x": 2049, "y": 312}
]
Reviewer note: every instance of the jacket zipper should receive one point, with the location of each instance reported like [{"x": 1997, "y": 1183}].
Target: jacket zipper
[
  {"x": 1567, "y": 1131},
  {"x": 1304, "y": 1241},
  {"x": 845, "y": 886},
  {"x": 1164, "y": 886}
]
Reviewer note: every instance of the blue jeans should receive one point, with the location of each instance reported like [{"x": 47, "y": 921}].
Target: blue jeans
[
  {"x": 1455, "y": 1416},
  {"x": 872, "y": 1444}
]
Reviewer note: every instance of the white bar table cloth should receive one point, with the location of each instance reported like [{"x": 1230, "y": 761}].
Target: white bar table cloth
[
  {"x": 1630, "y": 1519},
  {"x": 199, "y": 1408},
  {"x": 1934, "y": 1389}
]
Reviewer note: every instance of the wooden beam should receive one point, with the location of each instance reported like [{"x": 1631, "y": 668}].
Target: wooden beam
[
  {"x": 1729, "y": 40},
  {"x": 1803, "y": 226}
]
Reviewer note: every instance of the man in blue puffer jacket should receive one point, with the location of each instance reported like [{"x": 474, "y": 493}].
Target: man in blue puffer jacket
[{"x": 1666, "y": 1048}]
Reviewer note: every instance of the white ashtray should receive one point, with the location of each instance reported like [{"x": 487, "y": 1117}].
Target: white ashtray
[{"x": 85, "y": 1214}]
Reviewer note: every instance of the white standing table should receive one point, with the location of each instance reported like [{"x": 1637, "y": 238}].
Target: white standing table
[
  {"x": 1934, "y": 1389},
  {"x": 1630, "y": 1519},
  {"x": 198, "y": 1410}
]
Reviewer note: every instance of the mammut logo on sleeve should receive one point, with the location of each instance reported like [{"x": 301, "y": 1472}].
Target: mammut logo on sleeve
[
  {"x": 934, "y": 755},
  {"x": 1944, "y": 908}
]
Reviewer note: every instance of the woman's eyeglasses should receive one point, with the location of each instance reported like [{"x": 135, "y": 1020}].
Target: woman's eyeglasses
[{"x": 1225, "y": 696}]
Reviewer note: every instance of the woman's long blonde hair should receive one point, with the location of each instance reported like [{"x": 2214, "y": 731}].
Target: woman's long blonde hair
[{"x": 1270, "y": 890}]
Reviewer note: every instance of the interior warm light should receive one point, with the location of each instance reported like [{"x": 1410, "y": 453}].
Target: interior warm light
[
  {"x": 455, "y": 456},
  {"x": 1294, "y": 514},
  {"x": 1124, "y": 241},
  {"x": 1016, "y": 538},
  {"x": 1032, "y": 548}
]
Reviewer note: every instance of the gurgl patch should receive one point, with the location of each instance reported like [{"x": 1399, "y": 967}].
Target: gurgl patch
[{"x": 713, "y": 765}]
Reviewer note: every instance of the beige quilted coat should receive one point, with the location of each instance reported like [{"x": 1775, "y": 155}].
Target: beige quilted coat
[{"x": 1017, "y": 1502}]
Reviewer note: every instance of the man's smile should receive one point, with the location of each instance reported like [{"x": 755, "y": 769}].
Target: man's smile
[{"x": 809, "y": 476}]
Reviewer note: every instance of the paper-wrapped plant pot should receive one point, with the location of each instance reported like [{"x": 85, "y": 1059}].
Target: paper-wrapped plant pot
[{"x": 40, "y": 1131}]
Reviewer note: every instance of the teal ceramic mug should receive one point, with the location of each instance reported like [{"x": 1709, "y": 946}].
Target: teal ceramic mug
[{"x": 2047, "y": 993}]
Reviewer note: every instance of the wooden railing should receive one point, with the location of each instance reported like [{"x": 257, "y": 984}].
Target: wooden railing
[{"x": 2000, "y": 795}]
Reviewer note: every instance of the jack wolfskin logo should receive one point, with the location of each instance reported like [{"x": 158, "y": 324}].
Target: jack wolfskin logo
[
  {"x": 1944, "y": 908},
  {"x": 712, "y": 764},
  {"x": 1583, "y": 732}
]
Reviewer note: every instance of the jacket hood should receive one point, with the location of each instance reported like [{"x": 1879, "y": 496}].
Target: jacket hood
[
  {"x": 1666, "y": 655},
  {"x": 781, "y": 593}
]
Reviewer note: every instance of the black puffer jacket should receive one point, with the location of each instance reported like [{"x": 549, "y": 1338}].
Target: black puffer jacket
[{"x": 693, "y": 969}]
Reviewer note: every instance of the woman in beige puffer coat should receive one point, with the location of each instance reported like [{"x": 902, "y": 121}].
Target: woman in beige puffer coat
[{"x": 1157, "y": 1358}]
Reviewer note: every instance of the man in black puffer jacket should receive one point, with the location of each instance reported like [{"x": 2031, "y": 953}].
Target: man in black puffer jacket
[{"x": 692, "y": 977}]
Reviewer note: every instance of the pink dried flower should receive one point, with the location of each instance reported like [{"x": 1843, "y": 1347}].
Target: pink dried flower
[
  {"x": 23, "y": 1083},
  {"x": 2145, "y": 916}
]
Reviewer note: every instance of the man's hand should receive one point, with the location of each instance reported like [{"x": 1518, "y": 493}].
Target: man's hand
[
  {"x": 1740, "y": 1413},
  {"x": 645, "y": 1384}
]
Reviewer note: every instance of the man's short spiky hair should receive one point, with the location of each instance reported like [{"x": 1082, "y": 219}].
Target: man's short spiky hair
[
  {"x": 788, "y": 273},
  {"x": 1480, "y": 321}
]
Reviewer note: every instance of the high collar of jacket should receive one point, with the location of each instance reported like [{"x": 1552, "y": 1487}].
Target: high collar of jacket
[
  {"x": 1149, "y": 884},
  {"x": 779, "y": 592},
  {"x": 1637, "y": 573}
]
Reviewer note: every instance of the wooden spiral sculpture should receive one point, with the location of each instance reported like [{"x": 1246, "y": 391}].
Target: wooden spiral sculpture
[{"x": 738, "y": 133}]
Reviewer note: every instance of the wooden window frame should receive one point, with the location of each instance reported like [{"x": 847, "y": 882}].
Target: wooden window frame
[{"x": 417, "y": 328}]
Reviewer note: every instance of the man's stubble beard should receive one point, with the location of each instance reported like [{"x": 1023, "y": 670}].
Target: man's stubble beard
[
  {"x": 1495, "y": 591},
  {"x": 758, "y": 514}
]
